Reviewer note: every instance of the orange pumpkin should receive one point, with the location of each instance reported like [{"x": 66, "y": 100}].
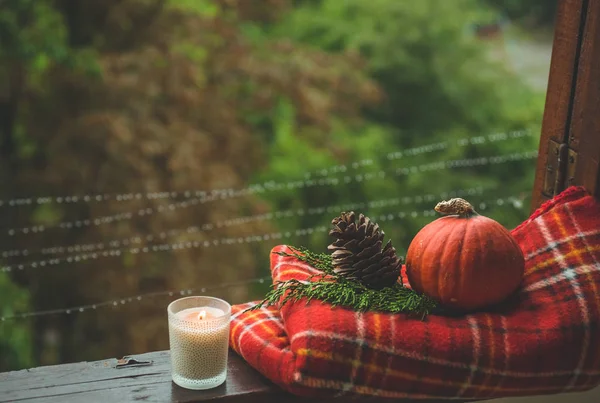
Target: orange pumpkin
[{"x": 464, "y": 261}]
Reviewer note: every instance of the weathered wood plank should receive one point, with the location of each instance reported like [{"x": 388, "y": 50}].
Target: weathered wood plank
[
  {"x": 99, "y": 381},
  {"x": 28, "y": 383}
]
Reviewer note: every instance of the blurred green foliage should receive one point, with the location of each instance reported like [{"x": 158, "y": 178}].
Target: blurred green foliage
[
  {"x": 31, "y": 31},
  {"x": 16, "y": 340},
  {"x": 33, "y": 34}
]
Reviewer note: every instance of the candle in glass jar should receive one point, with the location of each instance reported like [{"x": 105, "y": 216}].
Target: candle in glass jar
[{"x": 199, "y": 337}]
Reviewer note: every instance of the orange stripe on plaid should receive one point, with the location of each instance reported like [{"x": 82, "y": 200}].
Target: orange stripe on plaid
[
  {"x": 573, "y": 253},
  {"x": 476, "y": 336},
  {"x": 376, "y": 332},
  {"x": 390, "y": 356},
  {"x": 336, "y": 358},
  {"x": 506, "y": 353},
  {"x": 360, "y": 334},
  {"x": 492, "y": 356}
]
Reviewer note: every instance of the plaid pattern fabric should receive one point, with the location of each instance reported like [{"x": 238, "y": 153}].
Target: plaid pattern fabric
[{"x": 545, "y": 340}]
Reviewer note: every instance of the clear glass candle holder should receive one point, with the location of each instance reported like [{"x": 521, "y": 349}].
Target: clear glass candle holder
[{"x": 199, "y": 341}]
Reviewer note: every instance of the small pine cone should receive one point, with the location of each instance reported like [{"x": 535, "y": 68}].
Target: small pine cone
[{"x": 357, "y": 252}]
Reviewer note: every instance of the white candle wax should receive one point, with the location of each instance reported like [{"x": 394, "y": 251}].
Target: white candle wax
[{"x": 199, "y": 339}]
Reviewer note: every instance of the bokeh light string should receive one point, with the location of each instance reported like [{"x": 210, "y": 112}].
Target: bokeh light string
[
  {"x": 110, "y": 248},
  {"x": 216, "y": 194},
  {"x": 224, "y": 241},
  {"x": 137, "y": 239},
  {"x": 273, "y": 186}
]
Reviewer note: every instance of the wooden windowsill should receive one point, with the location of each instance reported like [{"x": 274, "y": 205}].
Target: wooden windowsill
[{"x": 100, "y": 381}]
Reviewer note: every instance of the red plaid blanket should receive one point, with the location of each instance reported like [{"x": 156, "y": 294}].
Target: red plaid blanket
[{"x": 546, "y": 341}]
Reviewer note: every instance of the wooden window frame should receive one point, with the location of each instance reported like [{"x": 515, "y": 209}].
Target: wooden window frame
[
  {"x": 569, "y": 150},
  {"x": 569, "y": 154}
]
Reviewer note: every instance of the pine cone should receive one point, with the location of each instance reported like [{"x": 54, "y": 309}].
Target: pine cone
[{"x": 357, "y": 252}]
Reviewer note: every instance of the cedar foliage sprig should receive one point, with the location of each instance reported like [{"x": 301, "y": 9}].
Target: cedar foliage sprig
[{"x": 337, "y": 290}]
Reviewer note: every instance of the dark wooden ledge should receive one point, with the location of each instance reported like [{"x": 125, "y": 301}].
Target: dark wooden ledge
[{"x": 100, "y": 381}]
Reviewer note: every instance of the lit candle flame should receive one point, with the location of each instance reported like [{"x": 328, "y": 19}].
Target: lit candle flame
[{"x": 202, "y": 315}]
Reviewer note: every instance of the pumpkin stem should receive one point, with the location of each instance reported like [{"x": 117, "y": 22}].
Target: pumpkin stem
[{"x": 456, "y": 206}]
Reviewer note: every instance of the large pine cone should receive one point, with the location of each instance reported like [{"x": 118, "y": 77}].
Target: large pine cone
[{"x": 357, "y": 252}]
